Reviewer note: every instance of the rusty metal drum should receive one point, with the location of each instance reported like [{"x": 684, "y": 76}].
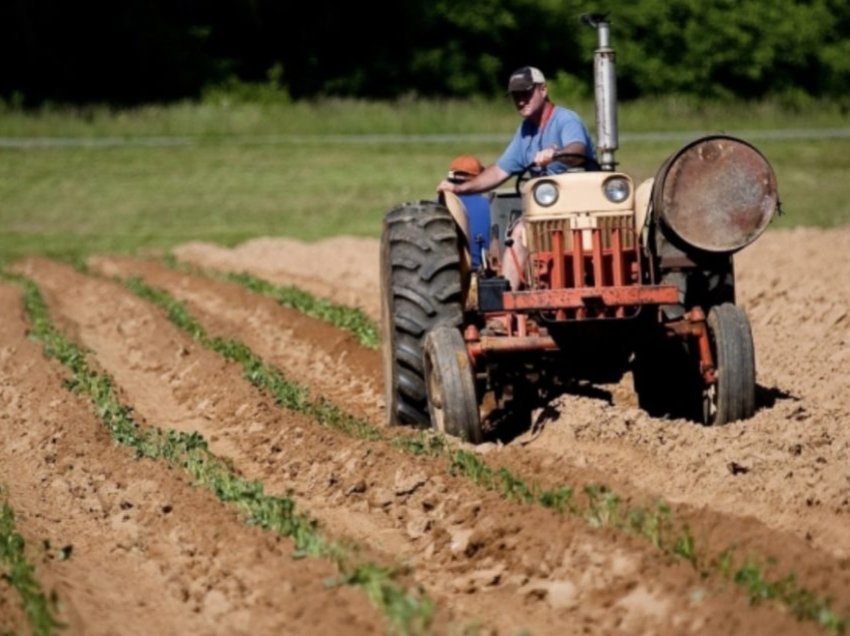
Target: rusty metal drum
[{"x": 717, "y": 194}]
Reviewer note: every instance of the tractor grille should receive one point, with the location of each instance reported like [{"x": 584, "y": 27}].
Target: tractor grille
[
  {"x": 585, "y": 266},
  {"x": 539, "y": 232}
]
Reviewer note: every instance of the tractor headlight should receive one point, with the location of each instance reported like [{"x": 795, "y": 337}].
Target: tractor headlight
[
  {"x": 616, "y": 189},
  {"x": 545, "y": 193}
]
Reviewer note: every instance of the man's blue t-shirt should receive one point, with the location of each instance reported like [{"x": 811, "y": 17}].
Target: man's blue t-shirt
[
  {"x": 563, "y": 128},
  {"x": 478, "y": 213}
]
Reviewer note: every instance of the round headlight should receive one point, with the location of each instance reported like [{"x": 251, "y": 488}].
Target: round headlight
[
  {"x": 617, "y": 189},
  {"x": 545, "y": 193}
]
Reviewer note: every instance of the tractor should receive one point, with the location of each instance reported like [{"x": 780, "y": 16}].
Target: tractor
[{"x": 620, "y": 278}]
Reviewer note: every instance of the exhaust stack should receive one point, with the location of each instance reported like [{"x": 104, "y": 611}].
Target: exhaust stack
[{"x": 605, "y": 90}]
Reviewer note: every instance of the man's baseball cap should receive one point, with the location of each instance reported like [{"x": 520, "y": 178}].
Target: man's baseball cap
[
  {"x": 525, "y": 78},
  {"x": 465, "y": 167}
]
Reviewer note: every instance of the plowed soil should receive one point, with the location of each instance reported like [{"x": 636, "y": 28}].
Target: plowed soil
[{"x": 151, "y": 553}]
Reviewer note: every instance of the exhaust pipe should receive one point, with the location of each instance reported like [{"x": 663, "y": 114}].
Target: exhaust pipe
[{"x": 605, "y": 90}]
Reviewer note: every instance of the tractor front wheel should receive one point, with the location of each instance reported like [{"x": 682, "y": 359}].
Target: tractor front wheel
[
  {"x": 732, "y": 396},
  {"x": 450, "y": 382}
]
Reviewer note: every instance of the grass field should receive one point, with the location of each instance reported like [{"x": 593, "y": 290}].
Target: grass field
[{"x": 95, "y": 180}]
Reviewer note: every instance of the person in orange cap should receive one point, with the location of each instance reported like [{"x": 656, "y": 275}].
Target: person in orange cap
[{"x": 462, "y": 169}]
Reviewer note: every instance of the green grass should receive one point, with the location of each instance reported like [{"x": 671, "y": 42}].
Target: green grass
[
  {"x": 225, "y": 116},
  {"x": 253, "y": 170}
]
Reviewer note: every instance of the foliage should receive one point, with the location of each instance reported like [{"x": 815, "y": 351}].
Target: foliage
[
  {"x": 726, "y": 48},
  {"x": 135, "y": 52},
  {"x": 20, "y": 574}
]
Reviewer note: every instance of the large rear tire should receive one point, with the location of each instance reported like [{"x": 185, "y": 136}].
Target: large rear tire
[
  {"x": 733, "y": 396},
  {"x": 450, "y": 381},
  {"x": 662, "y": 379},
  {"x": 420, "y": 290}
]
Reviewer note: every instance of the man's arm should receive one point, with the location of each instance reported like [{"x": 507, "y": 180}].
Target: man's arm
[
  {"x": 545, "y": 157},
  {"x": 492, "y": 177}
]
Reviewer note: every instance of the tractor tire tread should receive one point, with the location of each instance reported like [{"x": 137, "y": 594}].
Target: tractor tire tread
[{"x": 420, "y": 289}]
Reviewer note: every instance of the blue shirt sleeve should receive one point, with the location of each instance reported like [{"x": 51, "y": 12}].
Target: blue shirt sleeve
[
  {"x": 512, "y": 160},
  {"x": 570, "y": 129}
]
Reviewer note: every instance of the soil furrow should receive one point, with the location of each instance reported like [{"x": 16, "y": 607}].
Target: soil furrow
[
  {"x": 237, "y": 313},
  {"x": 146, "y": 552},
  {"x": 225, "y": 306},
  {"x": 786, "y": 467},
  {"x": 328, "y": 360},
  {"x": 130, "y": 546},
  {"x": 372, "y": 490},
  {"x": 339, "y": 269}
]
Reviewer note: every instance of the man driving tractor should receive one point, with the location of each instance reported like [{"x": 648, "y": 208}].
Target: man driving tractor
[{"x": 546, "y": 130}]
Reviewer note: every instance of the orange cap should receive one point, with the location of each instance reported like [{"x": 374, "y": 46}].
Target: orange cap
[{"x": 464, "y": 167}]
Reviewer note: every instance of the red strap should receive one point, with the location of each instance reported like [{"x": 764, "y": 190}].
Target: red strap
[{"x": 548, "y": 109}]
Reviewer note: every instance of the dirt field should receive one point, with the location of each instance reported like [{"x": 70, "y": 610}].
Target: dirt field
[{"x": 151, "y": 553}]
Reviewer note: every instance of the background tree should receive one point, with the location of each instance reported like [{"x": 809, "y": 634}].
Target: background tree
[{"x": 139, "y": 51}]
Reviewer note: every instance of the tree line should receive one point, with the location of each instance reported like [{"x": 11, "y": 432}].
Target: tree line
[{"x": 141, "y": 51}]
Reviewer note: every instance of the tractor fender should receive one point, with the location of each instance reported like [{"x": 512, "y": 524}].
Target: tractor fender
[
  {"x": 643, "y": 205},
  {"x": 458, "y": 211}
]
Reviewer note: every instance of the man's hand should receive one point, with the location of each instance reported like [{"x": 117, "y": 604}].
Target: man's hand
[
  {"x": 547, "y": 155},
  {"x": 446, "y": 186},
  {"x": 491, "y": 177},
  {"x": 544, "y": 157}
]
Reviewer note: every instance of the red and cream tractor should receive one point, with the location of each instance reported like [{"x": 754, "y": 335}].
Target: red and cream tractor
[{"x": 621, "y": 277}]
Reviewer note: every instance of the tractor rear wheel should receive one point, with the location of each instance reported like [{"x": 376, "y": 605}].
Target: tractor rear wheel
[
  {"x": 733, "y": 396},
  {"x": 450, "y": 383},
  {"x": 420, "y": 290},
  {"x": 663, "y": 385}
]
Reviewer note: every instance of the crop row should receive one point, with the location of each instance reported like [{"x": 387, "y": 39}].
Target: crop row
[
  {"x": 596, "y": 503},
  {"x": 408, "y": 612}
]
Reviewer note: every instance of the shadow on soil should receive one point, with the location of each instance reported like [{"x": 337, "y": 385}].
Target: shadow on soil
[
  {"x": 530, "y": 411},
  {"x": 767, "y": 397}
]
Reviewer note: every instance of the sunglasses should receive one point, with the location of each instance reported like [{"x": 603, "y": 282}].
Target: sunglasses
[{"x": 520, "y": 96}]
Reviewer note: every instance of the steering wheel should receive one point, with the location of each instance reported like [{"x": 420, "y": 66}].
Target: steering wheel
[{"x": 583, "y": 162}]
